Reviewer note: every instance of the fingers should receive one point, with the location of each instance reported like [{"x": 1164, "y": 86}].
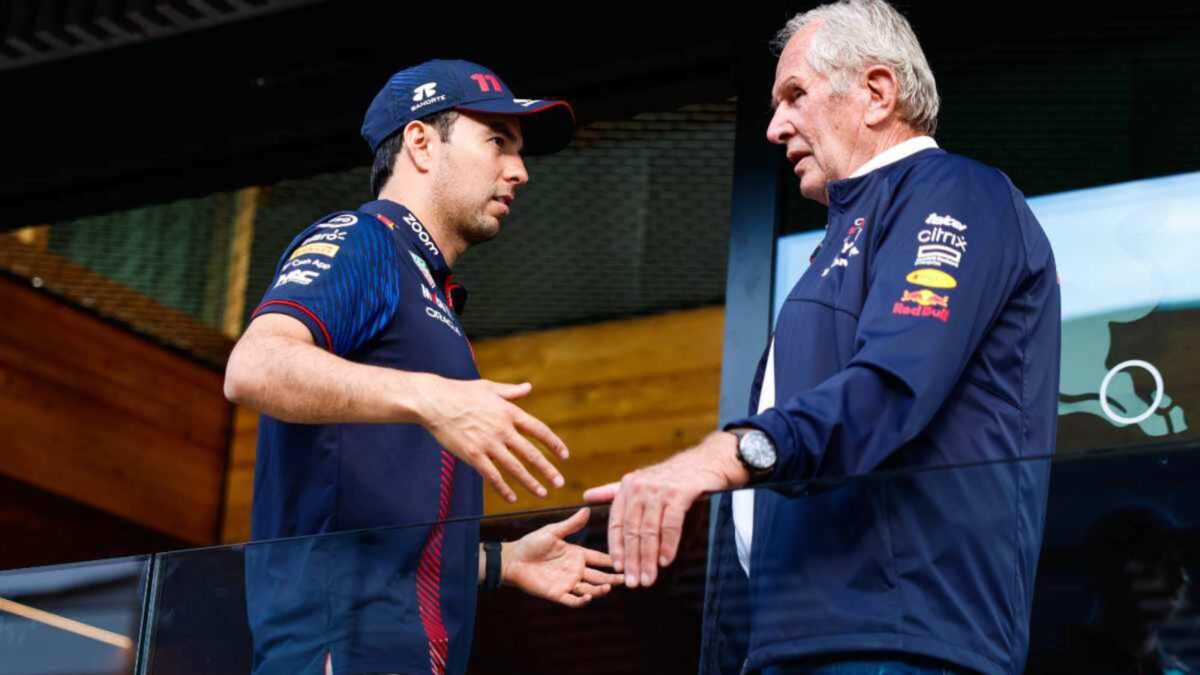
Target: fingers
[
  {"x": 648, "y": 541},
  {"x": 532, "y": 426},
  {"x": 574, "y": 601},
  {"x": 632, "y": 557},
  {"x": 584, "y": 588},
  {"x": 616, "y": 528},
  {"x": 510, "y": 392},
  {"x": 601, "y": 578},
  {"x": 602, "y": 494},
  {"x": 518, "y": 444},
  {"x": 597, "y": 558},
  {"x": 575, "y": 523},
  {"x": 671, "y": 533},
  {"x": 486, "y": 432},
  {"x": 645, "y": 523},
  {"x": 516, "y": 469},
  {"x": 583, "y": 593},
  {"x": 492, "y": 475}
]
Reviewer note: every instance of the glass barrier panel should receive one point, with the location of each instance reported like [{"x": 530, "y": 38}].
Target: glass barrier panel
[
  {"x": 1048, "y": 566},
  {"x": 77, "y": 619}
]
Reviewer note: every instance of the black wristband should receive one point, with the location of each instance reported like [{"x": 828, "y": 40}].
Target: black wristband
[{"x": 491, "y": 577}]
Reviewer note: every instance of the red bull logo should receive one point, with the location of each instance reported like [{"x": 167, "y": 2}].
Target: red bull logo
[
  {"x": 928, "y": 304},
  {"x": 926, "y": 298}
]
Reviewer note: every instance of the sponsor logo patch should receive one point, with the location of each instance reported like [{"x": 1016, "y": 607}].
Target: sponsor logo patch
[
  {"x": 419, "y": 230},
  {"x": 301, "y": 262},
  {"x": 420, "y": 263},
  {"x": 434, "y": 314},
  {"x": 425, "y": 95},
  {"x": 945, "y": 221},
  {"x": 936, "y": 255},
  {"x": 925, "y": 303},
  {"x": 302, "y": 277},
  {"x": 346, "y": 220},
  {"x": 849, "y": 246},
  {"x": 937, "y": 235},
  {"x": 424, "y": 91},
  {"x": 931, "y": 278},
  {"x": 432, "y": 297},
  {"x": 336, "y": 235},
  {"x": 327, "y": 250}
]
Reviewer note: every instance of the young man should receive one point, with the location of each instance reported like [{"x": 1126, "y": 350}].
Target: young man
[{"x": 374, "y": 414}]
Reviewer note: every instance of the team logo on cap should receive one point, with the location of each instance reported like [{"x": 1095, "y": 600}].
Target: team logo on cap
[
  {"x": 426, "y": 95},
  {"x": 427, "y": 90}
]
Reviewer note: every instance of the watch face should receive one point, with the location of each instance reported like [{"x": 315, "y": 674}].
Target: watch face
[{"x": 757, "y": 451}]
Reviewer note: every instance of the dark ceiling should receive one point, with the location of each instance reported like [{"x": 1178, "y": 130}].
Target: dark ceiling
[{"x": 186, "y": 97}]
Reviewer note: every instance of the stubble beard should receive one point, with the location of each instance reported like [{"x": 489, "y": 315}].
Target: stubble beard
[{"x": 467, "y": 221}]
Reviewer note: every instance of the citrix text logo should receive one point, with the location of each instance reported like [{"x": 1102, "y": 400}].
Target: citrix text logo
[{"x": 939, "y": 236}]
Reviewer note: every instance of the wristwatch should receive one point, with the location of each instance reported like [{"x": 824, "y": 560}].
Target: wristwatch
[{"x": 756, "y": 452}]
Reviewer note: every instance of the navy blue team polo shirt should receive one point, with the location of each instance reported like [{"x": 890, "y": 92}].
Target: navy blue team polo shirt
[{"x": 372, "y": 287}]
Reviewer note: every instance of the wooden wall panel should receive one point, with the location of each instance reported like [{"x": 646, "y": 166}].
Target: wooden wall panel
[
  {"x": 99, "y": 415},
  {"x": 45, "y": 529},
  {"x": 239, "y": 481},
  {"x": 622, "y": 394}
]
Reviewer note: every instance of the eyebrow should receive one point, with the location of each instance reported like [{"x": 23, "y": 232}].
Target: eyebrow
[
  {"x": 502, "y": 129},
  {"x": 782, "y": 86}
]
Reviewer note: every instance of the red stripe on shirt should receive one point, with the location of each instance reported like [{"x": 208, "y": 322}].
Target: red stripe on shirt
[{"x": 307, "y": 312}]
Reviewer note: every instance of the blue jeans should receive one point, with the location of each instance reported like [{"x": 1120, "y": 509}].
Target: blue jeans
[{"x": 864, "y": 666}]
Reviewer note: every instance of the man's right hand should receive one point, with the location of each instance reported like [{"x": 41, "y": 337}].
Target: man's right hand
[{"x": 477, "y": 422}]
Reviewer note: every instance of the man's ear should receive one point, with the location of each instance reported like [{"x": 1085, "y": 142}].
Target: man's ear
[
  {"x": 419, "y": 139},
  {"x": 882, "y": 94}
]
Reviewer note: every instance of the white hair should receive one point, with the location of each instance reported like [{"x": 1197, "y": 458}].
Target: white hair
[{"x": 856, "y": 34}]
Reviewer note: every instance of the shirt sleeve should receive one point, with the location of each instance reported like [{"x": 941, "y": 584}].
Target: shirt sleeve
[
  {"x": 947, "y": 262},
  {"x": 340, "y": 278}
]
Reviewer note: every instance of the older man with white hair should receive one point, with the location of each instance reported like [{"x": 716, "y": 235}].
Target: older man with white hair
[{"x": 924, "y": 334}]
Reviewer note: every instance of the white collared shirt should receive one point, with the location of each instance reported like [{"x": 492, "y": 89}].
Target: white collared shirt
[{"x": 895, "y": 153}]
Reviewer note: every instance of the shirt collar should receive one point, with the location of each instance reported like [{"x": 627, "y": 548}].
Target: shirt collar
[
  {"x": 399, "y": 219},
  {"x": 895, "y": 153}
]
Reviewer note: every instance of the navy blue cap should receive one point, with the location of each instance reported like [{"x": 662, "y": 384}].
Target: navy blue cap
[{"x": 438, "y": 85}]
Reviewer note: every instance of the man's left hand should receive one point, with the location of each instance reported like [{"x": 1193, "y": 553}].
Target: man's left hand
[
  {"x": 545, "y": 565},
  {"x": 645, "y": 523}
]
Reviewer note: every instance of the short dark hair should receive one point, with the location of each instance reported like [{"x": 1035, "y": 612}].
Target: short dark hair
[{"x": 385, "y": 156}]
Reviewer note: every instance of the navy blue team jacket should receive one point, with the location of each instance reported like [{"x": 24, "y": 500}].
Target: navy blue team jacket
[
  {"x": 925, "y": 333},
  {"x": 372, "y": 287}
]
